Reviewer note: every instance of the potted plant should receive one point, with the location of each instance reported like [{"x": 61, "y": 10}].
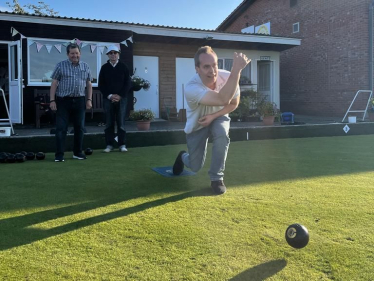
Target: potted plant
[
  {"x": 371, "y": 110},
  {"x": 268, "y": 110},
  {"x": 143, "y": 118},
  {"x": 138, "y": 83}
]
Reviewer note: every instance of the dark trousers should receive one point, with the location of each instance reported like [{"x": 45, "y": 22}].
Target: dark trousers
[
  {"x": 115, "y": 112},
  {"x": 76, "y": 108}
]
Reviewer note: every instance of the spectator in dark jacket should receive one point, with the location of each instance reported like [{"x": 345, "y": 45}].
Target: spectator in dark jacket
[{"x": 114, "y": 84}]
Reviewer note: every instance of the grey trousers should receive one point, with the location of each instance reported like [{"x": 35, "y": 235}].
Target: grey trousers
[{"x": 197, "y": 143}]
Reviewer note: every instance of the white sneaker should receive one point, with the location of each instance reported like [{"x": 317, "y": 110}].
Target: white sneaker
[
  {"x": 123, "y": 148},
  {"x": 109, "y": 148}
]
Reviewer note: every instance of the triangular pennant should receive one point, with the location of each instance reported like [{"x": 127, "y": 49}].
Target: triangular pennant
[
  {"x": 30, "y": 42},
  {"x": 124, "y": 42},
  {"x": 130, "y": 39},
  {"x": 101, "y": 48},
  {"x": 84, "y": 45},
  {"x": 39, "y": 46},
  {"x": 22, "y": 37},
  {"x": 49, "y": 48},
  {"x": 77, "y": 41},
  {"x": 13, "y": 31},
  {"x": 65, "y": 44},
  {"x": 93, "y": 47},
  {"x": 72, "y": 41},
  {"x": 58, "y": 47}
]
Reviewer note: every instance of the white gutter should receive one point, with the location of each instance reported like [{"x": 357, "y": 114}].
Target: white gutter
[{"x": 152, "y": 30}]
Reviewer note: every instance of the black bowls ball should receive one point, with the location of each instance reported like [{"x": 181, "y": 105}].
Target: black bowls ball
[
  {"x": 88, "y": 151},
  {"x": 40, "y": 156},
  {"x": 10, "y": 158},
  {"x": 20, "y": 158},
  {"x": 30, "y": 156},
  {"x": 297, "y": 236},
  {"x": 3, "y": 158}
]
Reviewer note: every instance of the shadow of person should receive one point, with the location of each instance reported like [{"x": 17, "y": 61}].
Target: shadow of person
[
  {"x": 18, "y": 231},
  {"x": 261, "y": 272}
]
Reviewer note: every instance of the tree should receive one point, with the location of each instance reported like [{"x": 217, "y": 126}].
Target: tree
[{"x": 41, "y": 9}]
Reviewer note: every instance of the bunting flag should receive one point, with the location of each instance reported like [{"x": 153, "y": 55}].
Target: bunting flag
[
  {"x": 130, "y": 39},
  {"x": 38, "y": 46},
  {"x": 13, "y": 31},
  {"x": 84, "y": 45},
  {"x": 72, "y": 41},
  {"x": 93, "y": 47},
  {"x": 124, "y": 42},
  {"x": 101, "y": 48},
  {"x": 30, "y": 42},
  {"x": 77, "y": 41},
  {"x": 58, "y": 47},
  {"x": 49, "y": 48}
]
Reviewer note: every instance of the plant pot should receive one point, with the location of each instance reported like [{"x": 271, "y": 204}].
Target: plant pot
[
  {"x": 268, "y": 120},
  {"x": 143, "y": 125},
  {"x": 136, "y": 88}
]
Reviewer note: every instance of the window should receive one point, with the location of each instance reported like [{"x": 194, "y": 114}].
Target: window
[
  {"x": 42, "y": 63},
  {"x": 264, "y": 76},
  {"x": 245, "y": 77},
  {"x": 293, "y": 3},
  {"x": 295, "y": 27}
]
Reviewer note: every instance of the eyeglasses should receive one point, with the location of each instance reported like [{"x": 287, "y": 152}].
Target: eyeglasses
[{"x": 112, "y": 53}]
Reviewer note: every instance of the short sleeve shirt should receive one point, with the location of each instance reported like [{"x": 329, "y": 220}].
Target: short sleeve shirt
[
  {"x": 72, "y": 78},
  {"x": 194, "y": 92}
]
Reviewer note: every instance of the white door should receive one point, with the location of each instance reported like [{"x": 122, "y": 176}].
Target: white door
[
  {"x": 147, "y": 68},
  {"x": 15, "y": 82},
  {"x": 265, "y": 79},
  {"x": 185, "y": 69}
]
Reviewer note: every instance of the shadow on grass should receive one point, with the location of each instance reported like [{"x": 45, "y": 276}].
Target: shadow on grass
[
  {"x": 15, "y": 232},
  {"x": 262, "y": 271}
]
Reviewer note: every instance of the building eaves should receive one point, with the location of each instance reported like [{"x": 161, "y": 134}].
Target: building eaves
[
  {"x": 105, "y": 21},
  {"x": 164, "y": 34},
  {"x": 235, "y": 14}
]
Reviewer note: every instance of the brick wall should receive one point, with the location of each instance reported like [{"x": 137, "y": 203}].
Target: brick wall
[
  {"x": 167, "y": 54},
  {"x": 321, "y": 76}
]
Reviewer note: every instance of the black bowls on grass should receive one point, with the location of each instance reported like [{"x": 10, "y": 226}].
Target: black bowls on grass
[
  {"x": 88, "y": 151},
  {"x": 40, "y": 156},
  {"x": 297, "y": 236}
]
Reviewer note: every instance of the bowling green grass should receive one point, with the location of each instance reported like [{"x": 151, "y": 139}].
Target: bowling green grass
[{"x": 112, "y": 218}]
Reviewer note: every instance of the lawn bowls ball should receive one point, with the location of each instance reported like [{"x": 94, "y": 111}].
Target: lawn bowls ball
[
  {"x": 30, "y": 156},
  {"x": 3, "y": 158},
  {"x": 88, "y": 151},
  {"x": 11, "y": 158},
  {"x": 20, "y": 158},
  {"x": 40, "y": 155},
  {"x": 297, "y": 236}
]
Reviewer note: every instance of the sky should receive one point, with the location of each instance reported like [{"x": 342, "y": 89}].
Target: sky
[{"x": 201, "y": 14}]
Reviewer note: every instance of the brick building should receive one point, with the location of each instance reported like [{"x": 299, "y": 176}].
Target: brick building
[
  {"x": 335, "y": 58},
  {"x": 30, "y": 47}
]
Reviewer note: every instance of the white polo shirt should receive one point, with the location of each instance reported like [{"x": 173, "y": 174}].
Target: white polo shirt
[{"x": 194, "y": 91}]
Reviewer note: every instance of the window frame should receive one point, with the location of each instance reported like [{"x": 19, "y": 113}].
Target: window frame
[
  {"x": 63, "y": 50},
  {"x": 293, "y": 3},
  {"x": 296, "y": 24},
  {"x": 249, "y": 66}
]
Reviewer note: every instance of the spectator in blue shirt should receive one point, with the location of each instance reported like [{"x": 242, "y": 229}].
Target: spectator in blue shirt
[{"x": 70, "y": 78}]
